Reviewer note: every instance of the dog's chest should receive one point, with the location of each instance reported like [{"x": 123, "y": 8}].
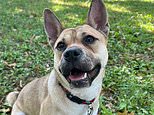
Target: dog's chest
[
  {"x": 82, "y": 110},
  {"x": 71, "y": 108}
]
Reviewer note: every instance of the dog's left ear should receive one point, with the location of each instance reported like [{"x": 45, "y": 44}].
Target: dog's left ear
[
  {"x": 52, "y": 26},
  {"x": 97, "y": 17}
]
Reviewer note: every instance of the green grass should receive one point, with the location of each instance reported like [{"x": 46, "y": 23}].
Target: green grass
[{"x": 25, "y": 53}]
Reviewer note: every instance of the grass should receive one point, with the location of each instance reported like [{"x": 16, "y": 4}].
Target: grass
[{"x": 25, "y": 53}]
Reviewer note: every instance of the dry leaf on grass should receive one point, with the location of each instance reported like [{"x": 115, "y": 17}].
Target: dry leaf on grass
[
  {"x": 10, "y": 65},
  {"x": 125, "y": 113}
]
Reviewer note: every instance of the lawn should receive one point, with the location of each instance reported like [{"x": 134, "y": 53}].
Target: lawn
[{"x": 25, "y": 53}]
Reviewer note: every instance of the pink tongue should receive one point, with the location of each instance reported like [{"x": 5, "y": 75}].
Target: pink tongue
[{"x": 76, "y": 77}]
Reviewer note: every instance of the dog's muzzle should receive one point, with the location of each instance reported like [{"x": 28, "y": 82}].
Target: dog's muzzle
[{"x": 78, "y": 68}]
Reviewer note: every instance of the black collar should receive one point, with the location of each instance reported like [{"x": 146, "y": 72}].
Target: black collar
[{"x": 75, "y": 98}]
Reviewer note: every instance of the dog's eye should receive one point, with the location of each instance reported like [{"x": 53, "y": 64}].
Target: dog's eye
[
  {"x": 61, "y": 46},
  {"x": 89, "y": 39}
]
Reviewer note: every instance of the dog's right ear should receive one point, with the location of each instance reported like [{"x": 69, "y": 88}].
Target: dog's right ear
[{"x": 52, "y": 26}]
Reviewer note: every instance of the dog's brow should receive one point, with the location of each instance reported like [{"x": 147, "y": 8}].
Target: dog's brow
[
  {"x": 63, "y": 40},
  {"x": 84, "y": 33}
]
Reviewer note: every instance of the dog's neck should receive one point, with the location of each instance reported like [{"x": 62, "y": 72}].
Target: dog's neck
[
  {"x": 76, "y": 99},
  {"x": 60, "y": 98}
]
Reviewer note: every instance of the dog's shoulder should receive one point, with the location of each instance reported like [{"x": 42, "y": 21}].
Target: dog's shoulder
[{"x": 34, "y": 90}]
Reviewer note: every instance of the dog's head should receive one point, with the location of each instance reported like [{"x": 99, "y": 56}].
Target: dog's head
[{"x": 79, "y": 53}]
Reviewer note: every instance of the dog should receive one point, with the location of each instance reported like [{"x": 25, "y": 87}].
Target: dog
[{"x": 74, "y": 85}]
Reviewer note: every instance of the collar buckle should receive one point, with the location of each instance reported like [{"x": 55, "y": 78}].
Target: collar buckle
[{"x": 90, "y": 109}]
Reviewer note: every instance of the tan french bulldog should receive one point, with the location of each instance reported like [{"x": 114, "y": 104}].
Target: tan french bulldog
[{"x": 80, "y": 56}]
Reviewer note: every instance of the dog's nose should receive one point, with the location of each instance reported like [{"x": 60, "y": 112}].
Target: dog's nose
[{"x": 72, "y": 54}]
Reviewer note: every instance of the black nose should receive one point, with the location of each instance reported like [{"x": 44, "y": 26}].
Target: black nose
[{"x": 72, "y": 54}]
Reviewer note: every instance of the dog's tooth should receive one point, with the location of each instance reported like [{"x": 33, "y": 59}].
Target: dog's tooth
[{"x": 85, "y": 75}]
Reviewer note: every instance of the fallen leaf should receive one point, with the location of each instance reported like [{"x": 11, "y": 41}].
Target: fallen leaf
[
  {"x": 10, "y": 65},
  {"x": 31, "y": 39},
  {"x": 125, "y": 113},
  {"x": 5, "y": 110}
]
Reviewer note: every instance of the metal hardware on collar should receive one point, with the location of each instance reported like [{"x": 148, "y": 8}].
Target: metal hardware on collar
[
  {"x": 76, "y": 99},
  {"x": 90, "y": 110}
]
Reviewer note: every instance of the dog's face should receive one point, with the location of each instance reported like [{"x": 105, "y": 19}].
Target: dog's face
[{"x": 79, "y": 53}]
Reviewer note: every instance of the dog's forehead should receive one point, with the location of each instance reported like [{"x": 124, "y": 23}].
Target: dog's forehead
[
  {"x": 79, "y": 32},
  {"x": 88, "y": 30}
]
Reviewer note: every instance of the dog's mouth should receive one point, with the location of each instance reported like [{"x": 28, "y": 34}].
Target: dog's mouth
[{"x": 77, "y": 74}]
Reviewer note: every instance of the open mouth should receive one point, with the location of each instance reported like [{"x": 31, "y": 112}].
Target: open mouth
[{"x": 79, "y": 75}]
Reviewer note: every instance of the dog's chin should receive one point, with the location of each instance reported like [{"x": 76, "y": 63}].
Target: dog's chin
[{"x": 79, "y": 78}]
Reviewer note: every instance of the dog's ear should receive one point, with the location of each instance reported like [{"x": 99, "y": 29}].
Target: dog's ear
[
  {"x": 52, "y": 26},
  {"x": 97, "y": 17}
]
